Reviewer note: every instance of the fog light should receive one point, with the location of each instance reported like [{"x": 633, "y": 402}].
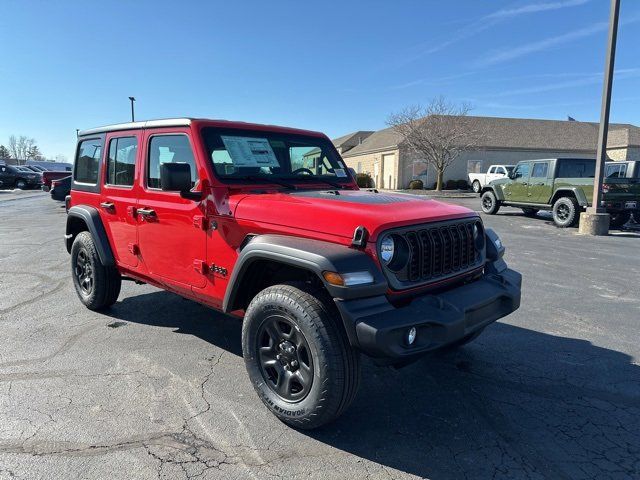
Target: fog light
[{"x": 411, "y": 335}]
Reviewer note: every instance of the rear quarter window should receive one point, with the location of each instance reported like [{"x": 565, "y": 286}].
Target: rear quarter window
[
  {"x": 570, "y": 168},
  {"x": 87, "y": 162}
]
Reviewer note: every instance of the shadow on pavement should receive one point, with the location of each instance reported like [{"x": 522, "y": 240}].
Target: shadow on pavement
[{"x": 516, "y": 403}]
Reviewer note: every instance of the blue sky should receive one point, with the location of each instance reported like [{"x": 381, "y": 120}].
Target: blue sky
[{"x": 329, "y": 66}]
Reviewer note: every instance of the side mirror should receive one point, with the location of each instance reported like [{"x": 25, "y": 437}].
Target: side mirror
[{"x": 176, "y": 177}]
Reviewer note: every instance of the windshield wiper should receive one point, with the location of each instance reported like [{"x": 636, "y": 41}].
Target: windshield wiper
[
  {"x": 320, "y": 180},
  {"x": 257, "y": 178}
]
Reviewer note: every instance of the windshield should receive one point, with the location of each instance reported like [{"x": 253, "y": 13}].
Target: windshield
[{"x": 253, "y": 155}]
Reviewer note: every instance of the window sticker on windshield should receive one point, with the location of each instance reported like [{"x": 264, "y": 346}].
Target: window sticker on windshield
[
  {"x": 340, "y": 172},
  {"x": 250, "y": 151}
]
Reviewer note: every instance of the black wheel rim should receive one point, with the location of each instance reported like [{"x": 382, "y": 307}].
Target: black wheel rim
[
  {"x": 84, "y": 272},
  {"x": 285, "y": 358},
  {"x": 487, "y": 202},
  {"x": 563, "y": 212}
]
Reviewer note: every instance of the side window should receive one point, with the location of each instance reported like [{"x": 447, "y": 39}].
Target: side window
[
  {"x": 169, "y": 149},
  {"x": 615, "y": 171},
  {"x": 522, "y": 171},
  {"x": 121, "y": 163},
  {"x": 540, "y": 170},
  {"x": 500, "y": 170},
  {"x": 492, "y": 170},
  {"x": 87, "y": 161}
]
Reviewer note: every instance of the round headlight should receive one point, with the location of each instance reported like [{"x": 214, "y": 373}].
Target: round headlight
[
  {"x": 387, "y": 249},
  {"x": 478, "y": 235}
]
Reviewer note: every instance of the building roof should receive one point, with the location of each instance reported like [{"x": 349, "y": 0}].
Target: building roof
[
  {"x": 519, "y": 133},
  {"x": 352, "y": 139}
]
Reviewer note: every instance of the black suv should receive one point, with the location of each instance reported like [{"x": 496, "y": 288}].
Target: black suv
[{"x": 15, "y": 177}]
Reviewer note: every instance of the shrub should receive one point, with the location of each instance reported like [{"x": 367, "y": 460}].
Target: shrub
[
  {"x": 451, "y": 185},
  {"x": 463, "y": 184},
  {"x": 364, "y": 180},
  {"x": 416, "y": 185}
]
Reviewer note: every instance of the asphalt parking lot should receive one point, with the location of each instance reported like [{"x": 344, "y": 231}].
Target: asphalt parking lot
[{"x": 156, "y": 386}]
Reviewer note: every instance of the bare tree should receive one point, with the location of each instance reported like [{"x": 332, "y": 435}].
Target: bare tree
[
  {"x": 4, "y": 153},
  {"x": 435, "y": 132},
  {"x": 20, "y": 147}
]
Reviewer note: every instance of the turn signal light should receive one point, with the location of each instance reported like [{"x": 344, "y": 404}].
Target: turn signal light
[{"x": 334, "y": 278}]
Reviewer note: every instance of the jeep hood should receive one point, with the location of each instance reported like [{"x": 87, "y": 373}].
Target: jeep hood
[{"x": 340, "y": 212}]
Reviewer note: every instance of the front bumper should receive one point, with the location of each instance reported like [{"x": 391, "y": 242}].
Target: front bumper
[{"x": 379, "y": 329}]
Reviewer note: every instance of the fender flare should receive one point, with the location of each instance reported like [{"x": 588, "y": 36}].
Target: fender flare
[
  {"x": 496, "y": 191},
  {"x": 91, "y": 217},
  {"x": 315, "y": 256},
  {"x": 577, "y": 192}
]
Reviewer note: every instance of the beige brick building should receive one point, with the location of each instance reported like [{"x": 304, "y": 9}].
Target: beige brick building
[{"x": 503, "y": 141}]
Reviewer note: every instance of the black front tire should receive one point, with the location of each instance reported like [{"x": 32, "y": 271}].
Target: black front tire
[
  {"x": 565, "y": 212},
  {"x": 97, "y": 285},
  {"x": 21, "y": 184},
  {"x": 489, "y": 203},
  {"x": 328, "y": 374}
]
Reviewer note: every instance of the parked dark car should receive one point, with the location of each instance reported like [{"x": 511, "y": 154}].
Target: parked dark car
[
  {"x": 12, "y": 176},
  {"x": 60, "y": 188}
]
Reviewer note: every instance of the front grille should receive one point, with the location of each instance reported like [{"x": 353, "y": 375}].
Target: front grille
[{"x": 438, "y": 251}]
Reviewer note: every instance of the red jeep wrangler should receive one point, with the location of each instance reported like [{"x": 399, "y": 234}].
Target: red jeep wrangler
[{"x": 267, "y": 223}]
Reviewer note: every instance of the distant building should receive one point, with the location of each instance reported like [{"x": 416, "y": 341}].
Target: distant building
[{"x": 503, "y": 141}]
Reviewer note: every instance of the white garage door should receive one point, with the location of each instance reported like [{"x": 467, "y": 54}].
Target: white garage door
[{"x": 389, "y": 171}]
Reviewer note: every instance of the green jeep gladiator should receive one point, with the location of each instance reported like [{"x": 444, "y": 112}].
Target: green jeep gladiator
[{"x": 564, "y": 186}]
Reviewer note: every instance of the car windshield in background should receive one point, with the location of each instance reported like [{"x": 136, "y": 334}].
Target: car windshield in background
[
  {"x": 240, "y": 154},
  {"x": 510, "y": 168}
]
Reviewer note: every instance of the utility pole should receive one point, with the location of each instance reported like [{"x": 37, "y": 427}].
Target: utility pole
[
  {"x": 595, "y": 221},
  {"x": 132, "y": 114}
]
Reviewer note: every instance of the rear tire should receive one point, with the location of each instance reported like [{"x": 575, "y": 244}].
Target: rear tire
[
  {"x": 489, "y": 202},
  {"x": 21, "y": 184},
  {"x": 298, "y": 357},
  {"x": 97, "y": 286},
  {"x": 476, "y": 187},
  {"x": 617, "y": 220},
  {"x": 565, "y": 212},
  {"x": 530, "y": 212}
]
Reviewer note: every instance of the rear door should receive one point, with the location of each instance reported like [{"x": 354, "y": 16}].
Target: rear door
[
  {"x": 540, "y": 186},
  {"x": 119, "y": 194},
  {"x": 172, "y": 241}
]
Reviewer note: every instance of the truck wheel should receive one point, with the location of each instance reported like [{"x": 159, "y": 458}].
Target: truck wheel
[
  {"x": 298, "y": 359},
  {"x": 97, "y": 286},
  {"x": 21, "y": 184},
  {"x": 530, "y": 212},
  {"x": 619, "y": 219},
  {"x": 476, "y": 186},
  {"x": 490, "y": 204},
  {"x": 565, "y": 212}
]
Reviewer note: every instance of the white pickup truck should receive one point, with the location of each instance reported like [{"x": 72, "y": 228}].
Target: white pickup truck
[{"x": 479, "y": 180}]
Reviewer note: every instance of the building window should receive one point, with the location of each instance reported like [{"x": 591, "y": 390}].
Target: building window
[
  {"x": 474, "y": 166},
  {"x": 88, "y": 160}
]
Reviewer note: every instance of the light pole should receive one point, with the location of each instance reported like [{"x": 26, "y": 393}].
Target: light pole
[
  {"x": 132, "y": 114},
  {"x": 595, "y": 221}
]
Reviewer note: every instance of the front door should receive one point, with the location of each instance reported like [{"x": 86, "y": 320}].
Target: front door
[
  {"x": 518, "y": 189},
  {"x": 119, "y": 193},
  {"x": 540, "y": 186},
  {"x": 388, "y": 171},
  {"x": 172, "y": 244}
]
